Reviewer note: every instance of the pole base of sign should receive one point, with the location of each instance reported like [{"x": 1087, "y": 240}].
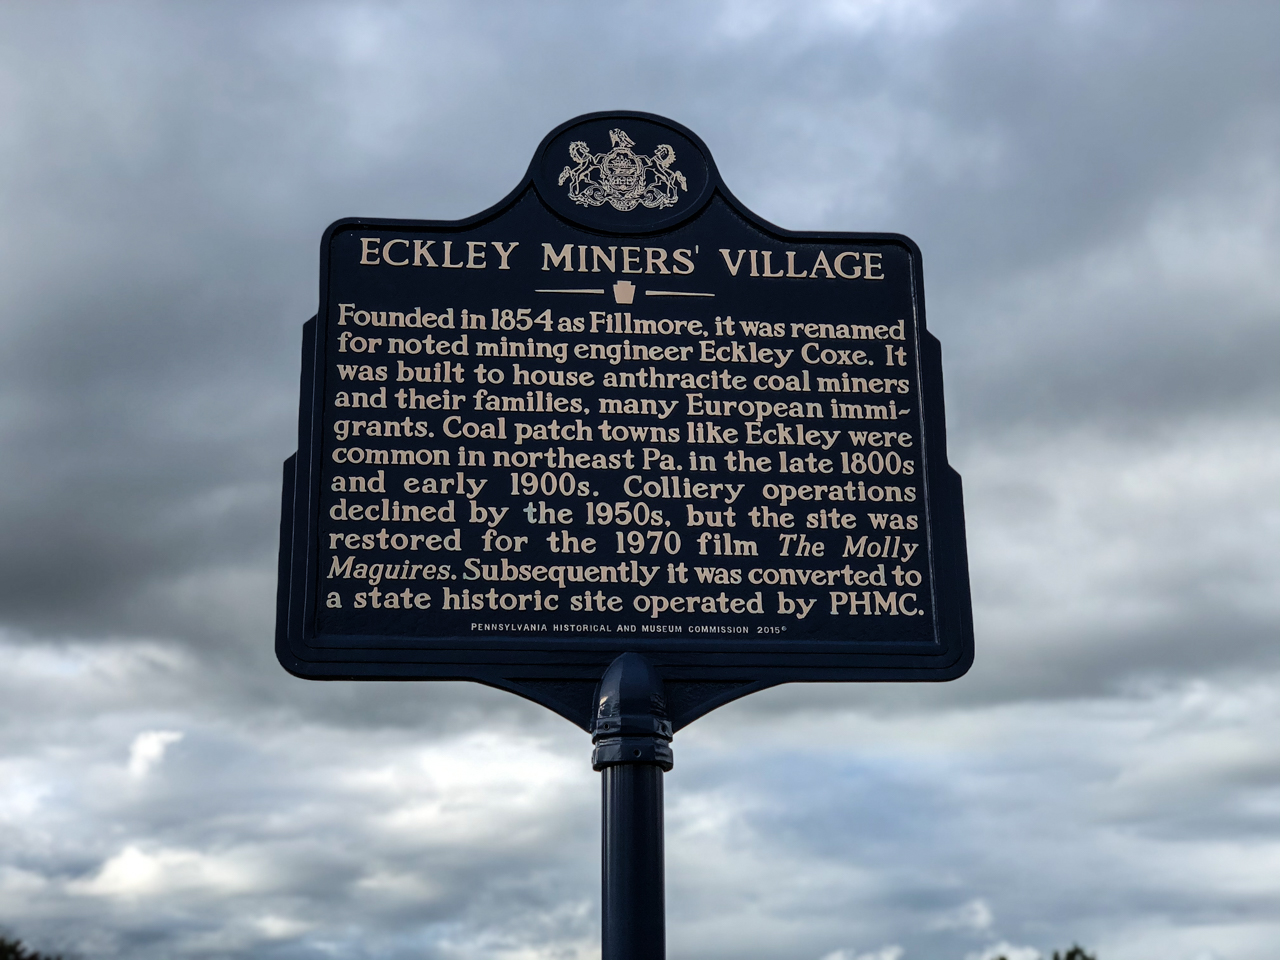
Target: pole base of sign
[
  {"x": 632, "y": 735},
  {"x": 633, "y": 922}
]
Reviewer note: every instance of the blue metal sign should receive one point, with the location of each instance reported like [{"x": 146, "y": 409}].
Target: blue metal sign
[{"x": 618, "y": 412}]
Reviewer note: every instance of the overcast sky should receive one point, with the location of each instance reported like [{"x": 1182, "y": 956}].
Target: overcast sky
[{"x": 1096, "y": 190}]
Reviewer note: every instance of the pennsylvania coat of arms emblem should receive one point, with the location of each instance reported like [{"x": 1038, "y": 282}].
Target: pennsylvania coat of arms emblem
[{"x": 621, "y": 177}]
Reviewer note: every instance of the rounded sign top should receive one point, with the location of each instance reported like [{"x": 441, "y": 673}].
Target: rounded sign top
[{"x": 623, "y": 172}]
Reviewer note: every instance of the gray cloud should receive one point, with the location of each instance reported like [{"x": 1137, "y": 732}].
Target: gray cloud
[{"x": 1094, "y": 186}]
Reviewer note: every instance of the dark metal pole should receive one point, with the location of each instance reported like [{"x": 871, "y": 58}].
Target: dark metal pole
[{"x": 633, "y": 749}]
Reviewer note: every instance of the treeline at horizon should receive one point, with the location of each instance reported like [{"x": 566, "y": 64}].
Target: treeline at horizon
[{"x": 11, "y": 948}]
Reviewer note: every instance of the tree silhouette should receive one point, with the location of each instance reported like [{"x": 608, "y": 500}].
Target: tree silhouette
[
  {"x": 1076, "y": 952},
  {"x": 13, "y": 949}
]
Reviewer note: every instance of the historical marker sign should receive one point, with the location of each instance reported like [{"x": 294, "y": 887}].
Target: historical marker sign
[{"x": 619, "y": 412}]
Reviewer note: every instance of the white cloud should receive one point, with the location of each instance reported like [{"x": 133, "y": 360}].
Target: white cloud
[
  {"x": 281, "y": 928},
  {"x": 974, "y": 915},
  {"x": 148, "y": 749},
  {"x": 891, "y": 952},
  {"x": 1007, "y": 950},
  {"x": 134, "y": 872}
]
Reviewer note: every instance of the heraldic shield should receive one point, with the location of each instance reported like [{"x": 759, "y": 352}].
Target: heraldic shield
[
  {"x": 624, "y": 173},
  {"x": 622, "y": 178}
]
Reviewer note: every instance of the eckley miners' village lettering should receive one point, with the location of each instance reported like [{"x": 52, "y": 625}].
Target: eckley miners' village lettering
[
  {"x": 616, "y": 465},
  {"x": 638, "y": 260}
]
